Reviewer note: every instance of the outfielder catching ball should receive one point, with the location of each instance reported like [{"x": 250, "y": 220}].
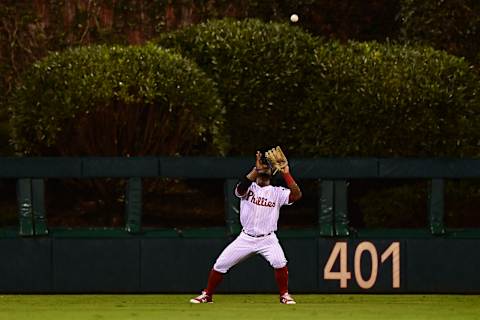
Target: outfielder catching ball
[{"x": 260, "y": 205}]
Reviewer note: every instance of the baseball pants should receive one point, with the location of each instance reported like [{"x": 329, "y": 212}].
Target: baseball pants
[{"x": 245, "y": 246}]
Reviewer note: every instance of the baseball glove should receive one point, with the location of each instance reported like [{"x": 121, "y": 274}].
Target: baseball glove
[{"x": 277, "y": 159}]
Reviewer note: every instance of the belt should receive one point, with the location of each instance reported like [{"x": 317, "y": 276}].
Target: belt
[{"x": 258, "y": 235}]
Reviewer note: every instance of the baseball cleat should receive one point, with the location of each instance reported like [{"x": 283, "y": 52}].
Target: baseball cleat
[
  {"x": 287, "y": 299},
  {"x": 203, "y": 298}
]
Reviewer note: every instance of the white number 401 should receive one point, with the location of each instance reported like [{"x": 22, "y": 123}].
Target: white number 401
[{"x": 340, "y": 250}]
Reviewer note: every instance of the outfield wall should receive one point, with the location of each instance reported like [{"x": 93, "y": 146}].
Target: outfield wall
[{"x": 177, "y": 265}]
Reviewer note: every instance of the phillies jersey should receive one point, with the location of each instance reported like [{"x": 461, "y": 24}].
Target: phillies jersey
[{"x": 260, "y": 208}]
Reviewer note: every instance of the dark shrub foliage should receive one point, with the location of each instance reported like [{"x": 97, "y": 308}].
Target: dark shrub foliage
[
  {"x": 262, "y": 70},
  {"x": 116, "y": 101},
  {"x": 385, "y": 100},
  {"x": 280, "y": 85}
]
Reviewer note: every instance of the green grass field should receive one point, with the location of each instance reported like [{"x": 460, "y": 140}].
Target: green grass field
[{"x": 332, "y": 307}]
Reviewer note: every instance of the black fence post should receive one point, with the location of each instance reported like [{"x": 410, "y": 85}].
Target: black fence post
[
  {"x": 39, "y": 215},
  {"x": 25, "y": 207},
  {"x": 325, "y": 215},
  {"x": 133, "y": 205},
  {"x": 341, "y": 209}
]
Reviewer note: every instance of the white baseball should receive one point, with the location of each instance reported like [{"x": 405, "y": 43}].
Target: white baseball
[{"x": 294, "y": 18}]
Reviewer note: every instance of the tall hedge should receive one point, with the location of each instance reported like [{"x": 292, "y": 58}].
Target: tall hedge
[
  {"x": 262, "y": 71},
  {"x": 281, "y": 85},
  {"x": 116, "y": 101},
  {"x": 387, "y": 100}
]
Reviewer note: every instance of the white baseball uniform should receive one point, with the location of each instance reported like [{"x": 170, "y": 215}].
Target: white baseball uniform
[{"x": 259, "y": 212}]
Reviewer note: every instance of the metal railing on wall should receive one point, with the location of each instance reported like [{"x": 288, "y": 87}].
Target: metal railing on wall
[{"x": 331, "y": 173}]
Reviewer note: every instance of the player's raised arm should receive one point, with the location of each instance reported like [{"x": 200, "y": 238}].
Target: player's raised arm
[
  {"x": 243, "y": 185},
  {"x": 295, "y": 192},
  {"x": 279, "y": 161}
]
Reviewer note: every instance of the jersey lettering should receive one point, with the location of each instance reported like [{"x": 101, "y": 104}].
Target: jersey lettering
[
  {"x": 260, "y": 208},
  {"x": 259, "y": 201}
]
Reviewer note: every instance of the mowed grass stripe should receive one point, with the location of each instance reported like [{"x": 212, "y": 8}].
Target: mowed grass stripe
[{"x": 236, "y": 306}]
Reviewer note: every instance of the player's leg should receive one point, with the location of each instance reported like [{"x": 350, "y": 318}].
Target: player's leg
[
  {"x": 214, "y": 279},
  {"x": 271, "y": 250},
  {"x": 240, "y": 249},
  {"x": 237, "y": 251}
]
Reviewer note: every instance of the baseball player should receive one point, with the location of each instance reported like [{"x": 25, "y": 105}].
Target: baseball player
[{"x": 260, "y": 205}]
